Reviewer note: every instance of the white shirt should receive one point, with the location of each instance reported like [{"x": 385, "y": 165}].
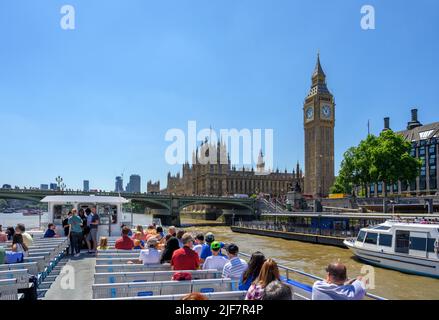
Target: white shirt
[
  {"x": 27, "y": 239},
  {"x": 234, "y": 268},
  {"x": 215, "y": 262},
  {"x": 150, "y": 256},
  {"x": 198, "y": 248}
]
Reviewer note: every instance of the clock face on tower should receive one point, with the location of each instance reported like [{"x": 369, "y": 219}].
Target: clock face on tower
[
  {"x": 309, "y": 113},
  {"x": 326, "y": 112}
]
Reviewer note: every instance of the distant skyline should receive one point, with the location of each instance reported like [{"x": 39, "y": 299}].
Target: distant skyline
[{"x": 95, "y": 102}]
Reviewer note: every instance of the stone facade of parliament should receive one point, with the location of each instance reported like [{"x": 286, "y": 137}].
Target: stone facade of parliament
[
  {"x": 220, "y": 178},
  {"x": 214, "y": 175}
]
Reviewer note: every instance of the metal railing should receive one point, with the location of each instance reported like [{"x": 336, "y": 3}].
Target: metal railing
[
  {"x": 285, "y": 227},
  {"x": 289, "y": 270}
]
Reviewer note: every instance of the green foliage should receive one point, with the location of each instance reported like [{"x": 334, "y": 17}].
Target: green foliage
[
  {"x": 3, "y": 203},
  {"x": 377, "y": 159}
]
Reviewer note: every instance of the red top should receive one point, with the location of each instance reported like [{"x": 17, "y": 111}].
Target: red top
[
  {"x": 124, "y": 243},
  {"x": 185, "y": 259},
  {"x": 3, "y": 237}
]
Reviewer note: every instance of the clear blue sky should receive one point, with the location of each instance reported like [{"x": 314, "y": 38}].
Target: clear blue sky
[{"x": 91, "y": 102}]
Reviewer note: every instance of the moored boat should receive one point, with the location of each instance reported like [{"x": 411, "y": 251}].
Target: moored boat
[{"x": 403, "y": 246}]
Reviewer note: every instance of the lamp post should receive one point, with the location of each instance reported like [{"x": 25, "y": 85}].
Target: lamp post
[{"x": 59, "y": 181}]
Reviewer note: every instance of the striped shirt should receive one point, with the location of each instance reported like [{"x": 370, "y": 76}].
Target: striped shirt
[{"x": 234, "y": 268}]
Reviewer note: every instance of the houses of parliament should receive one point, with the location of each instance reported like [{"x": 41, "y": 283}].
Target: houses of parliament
[{"x": 220, "y": 178}]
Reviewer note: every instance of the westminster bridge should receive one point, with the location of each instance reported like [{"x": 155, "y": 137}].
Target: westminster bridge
[{"x": 167, "y": 207}]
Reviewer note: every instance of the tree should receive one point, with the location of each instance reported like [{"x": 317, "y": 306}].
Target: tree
[
  {"x": 391, "y": 160},
  {"x": 384, "y": 159},
  {"x": 344, "y": 182}
]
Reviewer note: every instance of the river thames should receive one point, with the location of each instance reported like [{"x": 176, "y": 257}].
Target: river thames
[{"x": 311, "y": 258}]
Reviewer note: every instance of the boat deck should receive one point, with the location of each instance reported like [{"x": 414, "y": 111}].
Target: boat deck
[{"x": 83, "y": 271}]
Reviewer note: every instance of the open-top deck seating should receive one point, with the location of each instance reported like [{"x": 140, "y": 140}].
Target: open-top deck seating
[
  {"x": 41, "y": 261},
  {"x": 226, "y": 295},
  {"x": 109, "y": 251},
  {"x": 132, "y": 255},
  {"x": 31, "y": 267},
  {"x": 101, "y": 261},
  {"x": 8, "y": 289},
  {"x": 149, "y": 276},
  {"x": 132, "y": 289},
  {"x": 131, "y": 267},
  {"x": 21, "y": 276}
]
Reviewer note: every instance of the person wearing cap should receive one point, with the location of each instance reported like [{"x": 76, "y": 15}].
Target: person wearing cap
[
  {"x": 205, "y": 250},
  {"x": 150, "y": 255},
  {"x": 236, "y": 266},
  {"x": 185, "y": 258},
  {"x": 216, "y": 260}
]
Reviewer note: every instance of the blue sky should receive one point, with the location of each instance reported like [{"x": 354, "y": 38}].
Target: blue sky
[{"x": 93, "y": 102}]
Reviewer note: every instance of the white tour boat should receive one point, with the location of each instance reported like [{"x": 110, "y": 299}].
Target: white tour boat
[
  {"x": 402, "y": 246},
  {"x": 109, "y": 209}
]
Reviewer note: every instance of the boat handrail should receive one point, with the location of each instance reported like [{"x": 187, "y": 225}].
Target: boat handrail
[{"x": 303, "y": 273}]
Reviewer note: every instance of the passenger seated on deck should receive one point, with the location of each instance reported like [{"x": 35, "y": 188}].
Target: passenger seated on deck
[
  {"x": 172, "y": 231},
  {"x": 151, "y": 231},
  {"x": 199, "y": 241},
  {"x": 336, "y": 286},
  {"x": 185, "y": 258},
  {"x": 180, "y": 234},
  {"x": 10, "y": 233},
  {"x": 18, "y": 245},
  {"x": 150, "y": 255},
  {"x": 277, "y": 290},
  {"x": 138, "y": 244},
  {"x": 236, "y": 266},
  {"x": 205, "y": 250},
  {"x": 124, "y": 242},
  {"x": 27, "y": 238},
  {"x": 254, "y": 268},
  {"x": 160, "y": 233},
  {"x": 142, "y": 236},
  {"x": 50, "y": 232},
  {"x": 269, "y": 273},
  {"x": 103, "y": 243},
  {"x": 130, "y": 233},
  {"x": 215, "y": 261},
  {"x": 171, "y": 246},
  {"x": 3, "y": 236}
]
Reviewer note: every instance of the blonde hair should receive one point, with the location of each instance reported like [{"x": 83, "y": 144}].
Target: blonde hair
[
  {"x": 103, "y": 242},
  {"x": 269, "y": 272}
]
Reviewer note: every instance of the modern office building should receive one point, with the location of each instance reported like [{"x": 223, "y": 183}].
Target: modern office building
[
  {"x": 119, "y": 185},
  {"x": 134, "y": 186},
  {"x": 44, "y": 187},
  {"x": 86, "y": 186},
  {"x": 53, "y": 186}
]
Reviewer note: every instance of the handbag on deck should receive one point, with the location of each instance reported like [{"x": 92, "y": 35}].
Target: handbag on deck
[{"x": 13, "y": 257}]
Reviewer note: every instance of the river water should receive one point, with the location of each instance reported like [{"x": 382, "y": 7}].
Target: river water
[{"x": 311, "y": 258}]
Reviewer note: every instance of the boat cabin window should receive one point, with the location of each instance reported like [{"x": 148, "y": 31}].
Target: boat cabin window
[
  {"x": 60, "y": 211},
  {"x": 107, "y": 214},
  {"x": 361, "y": 235},
  {"x": 382, "y": 228},
  {"x": 419, "y": 244},
  {"x": 430, "y": 245},
  {"x": 385, "y": 240},
  {"x": 371, "y": 238}
]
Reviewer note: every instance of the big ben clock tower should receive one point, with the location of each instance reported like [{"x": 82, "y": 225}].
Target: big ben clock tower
[{"x": 319, "y": 122}]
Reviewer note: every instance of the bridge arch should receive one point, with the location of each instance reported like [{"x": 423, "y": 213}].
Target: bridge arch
[{"x": 213, "y": 202}]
